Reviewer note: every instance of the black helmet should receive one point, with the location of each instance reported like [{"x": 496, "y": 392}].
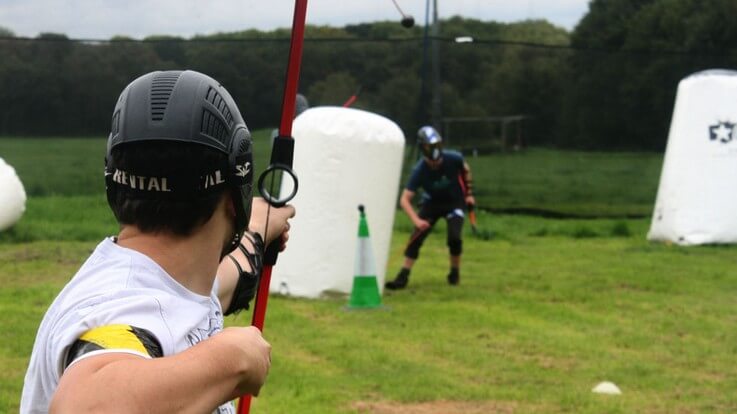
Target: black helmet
[
  {"x": 430, "y": 142},
  {"x": 183, "y": 106}
]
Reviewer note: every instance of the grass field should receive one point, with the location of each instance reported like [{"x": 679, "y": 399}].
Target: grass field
[
  {"x": 586, "y": 184},
  {"x": 569, "y": 182},
  {"x": 547, "y": 308}
]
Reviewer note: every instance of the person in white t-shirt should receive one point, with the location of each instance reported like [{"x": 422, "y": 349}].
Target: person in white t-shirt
[{"x": 139, "y": 328}]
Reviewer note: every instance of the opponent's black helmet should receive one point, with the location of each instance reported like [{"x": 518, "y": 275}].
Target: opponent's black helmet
[
  {"x": 431, "y": 143},
  {"x": 190, "y": 107}
]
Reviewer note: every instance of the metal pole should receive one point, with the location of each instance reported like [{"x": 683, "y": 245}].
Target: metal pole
[
  {"x": 436, "y": 113},
  {"x": 422, "y": 107}
]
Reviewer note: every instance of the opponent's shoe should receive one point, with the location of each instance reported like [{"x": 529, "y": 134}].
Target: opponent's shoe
[
  {"x": 454, "y": 278},
  {"x": 400, "y": 282}
]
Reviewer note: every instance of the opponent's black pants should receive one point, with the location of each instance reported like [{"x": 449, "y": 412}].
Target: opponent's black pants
[{"x": 432, "y": 212}]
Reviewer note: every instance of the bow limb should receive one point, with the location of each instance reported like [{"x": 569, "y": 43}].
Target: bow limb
[{"x": 282, "y": 155}]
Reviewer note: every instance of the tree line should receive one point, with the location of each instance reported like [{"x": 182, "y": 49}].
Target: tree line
[{"x": 608, "y": 84}]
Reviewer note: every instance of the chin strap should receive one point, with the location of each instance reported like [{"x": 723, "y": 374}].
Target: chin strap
[{"x": 282, "y": 155}]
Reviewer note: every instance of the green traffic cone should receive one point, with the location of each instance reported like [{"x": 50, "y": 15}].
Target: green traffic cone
[{"x": 365, "y": 292}]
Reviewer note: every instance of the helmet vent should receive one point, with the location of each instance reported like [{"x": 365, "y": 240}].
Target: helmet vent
[
  {"x": 243, "y": 147},
  {"x": 116, "y": 123},
  {"x": 161, "y": 89},
  {"x": 213, "y": 126},
  {"x": 214, "y": 98}
]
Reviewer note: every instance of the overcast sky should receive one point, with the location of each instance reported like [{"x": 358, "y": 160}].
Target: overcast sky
[{"x": 102, "y": 19}]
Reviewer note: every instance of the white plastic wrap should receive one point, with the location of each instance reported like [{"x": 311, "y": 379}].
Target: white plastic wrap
[
  {"x": 343, "y": 157},
  {"x": 12, "y": 196},
  {"x": 697, "y": 196}
]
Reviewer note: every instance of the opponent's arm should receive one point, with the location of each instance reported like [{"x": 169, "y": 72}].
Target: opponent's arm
[
  {"x": 468, "y": 183},
  {"x": 198, "y": 380},
  {"x": 405, "y": 201}
]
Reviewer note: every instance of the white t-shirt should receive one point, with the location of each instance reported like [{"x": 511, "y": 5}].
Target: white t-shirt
[{"x": 117, "y": 285}]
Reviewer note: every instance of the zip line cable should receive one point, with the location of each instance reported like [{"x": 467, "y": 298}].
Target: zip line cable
[{"x": 475, "y": 41}]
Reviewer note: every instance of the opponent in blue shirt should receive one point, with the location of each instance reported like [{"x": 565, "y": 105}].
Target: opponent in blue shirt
[{"x": 445, "y": 180}]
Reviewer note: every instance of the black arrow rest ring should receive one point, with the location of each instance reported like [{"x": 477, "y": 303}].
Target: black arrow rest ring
[{"x": 275, "y": 173}]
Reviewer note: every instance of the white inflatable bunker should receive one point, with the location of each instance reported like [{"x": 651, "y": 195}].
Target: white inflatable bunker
[
  {"x": 343, "y": 157},
  {"x": 12, "y": 196},
  {"x": 697, "y": 196}
]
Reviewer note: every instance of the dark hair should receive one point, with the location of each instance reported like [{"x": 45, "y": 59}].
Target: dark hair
[{"x": 180, "y": 216}]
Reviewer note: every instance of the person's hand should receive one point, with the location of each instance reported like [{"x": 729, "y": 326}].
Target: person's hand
[
  {"x": 422, "y": 225},
  {"x": 470, "y": 200},
  {"x": 278, "y": 221},
  {"x": 248, "y": 349}
]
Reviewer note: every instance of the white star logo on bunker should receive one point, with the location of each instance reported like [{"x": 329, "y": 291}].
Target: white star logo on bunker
[{"x": 722, "y": 132}]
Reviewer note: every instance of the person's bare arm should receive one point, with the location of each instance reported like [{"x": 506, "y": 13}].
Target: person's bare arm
[
  {"x": 468, "y": 181},
  {"x": 277, "y": 219},
  {"x": 405, "y": 201},
  {"x": 231, "y": 363}
]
